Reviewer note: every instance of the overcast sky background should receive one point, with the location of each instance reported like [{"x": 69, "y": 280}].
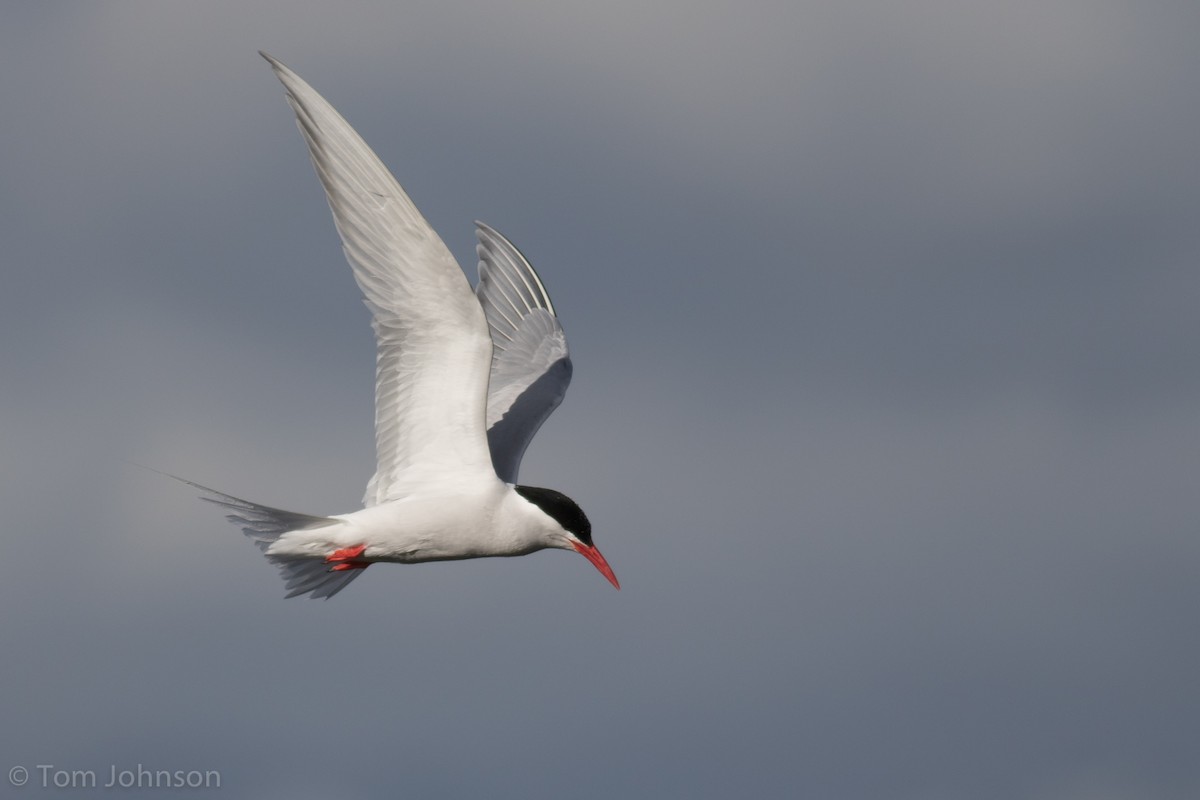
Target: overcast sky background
[{"x": 886, "y": 407}]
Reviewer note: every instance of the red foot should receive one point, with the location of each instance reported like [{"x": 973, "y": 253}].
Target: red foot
[
  {"x": 347, "y": 558},
  {"x": 346, "y": 554}
]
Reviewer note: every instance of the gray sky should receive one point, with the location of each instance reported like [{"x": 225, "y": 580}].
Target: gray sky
[{"x": 886, "y": 407}]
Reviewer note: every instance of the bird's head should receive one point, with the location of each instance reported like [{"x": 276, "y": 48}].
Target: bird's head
[{"x": 573, "y": 532}]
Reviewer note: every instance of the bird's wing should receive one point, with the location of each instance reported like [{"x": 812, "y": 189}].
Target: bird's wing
[
  {"x": 530, "y": 363},
  {"x": 434, "y": 351}
]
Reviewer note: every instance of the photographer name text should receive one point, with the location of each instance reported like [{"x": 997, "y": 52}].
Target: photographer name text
[{"x": 50, "y": 776}]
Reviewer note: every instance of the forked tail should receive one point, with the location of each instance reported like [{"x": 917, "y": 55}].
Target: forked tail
[{"x": 264, "y": 525}]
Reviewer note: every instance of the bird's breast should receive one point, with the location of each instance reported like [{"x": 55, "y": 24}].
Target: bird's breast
[{"x": 441, "y": 528}]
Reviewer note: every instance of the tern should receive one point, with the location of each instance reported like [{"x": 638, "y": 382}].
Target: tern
[{"x": 463, "y": 381}]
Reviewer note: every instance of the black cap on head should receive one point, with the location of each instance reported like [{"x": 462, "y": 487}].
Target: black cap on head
[{"x": 561, "y": 509}]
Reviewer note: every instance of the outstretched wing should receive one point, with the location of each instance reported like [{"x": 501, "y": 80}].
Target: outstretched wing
[
  {"x": 531, "y": 367},
  {"x": 434, "y": 350}
]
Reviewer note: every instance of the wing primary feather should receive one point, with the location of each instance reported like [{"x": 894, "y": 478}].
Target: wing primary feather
[
  {"x": 499, "y": 310},
  {"x": 503, "y": 279},
  {"x": 527, "y": 272},
  {"x": 512, "y": 287}
]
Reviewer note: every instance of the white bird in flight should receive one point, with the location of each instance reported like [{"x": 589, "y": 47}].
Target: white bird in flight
[{"x": 462, "y": 383}]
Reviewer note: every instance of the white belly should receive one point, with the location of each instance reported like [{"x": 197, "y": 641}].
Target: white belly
[{"x": 422, "y": 528}]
